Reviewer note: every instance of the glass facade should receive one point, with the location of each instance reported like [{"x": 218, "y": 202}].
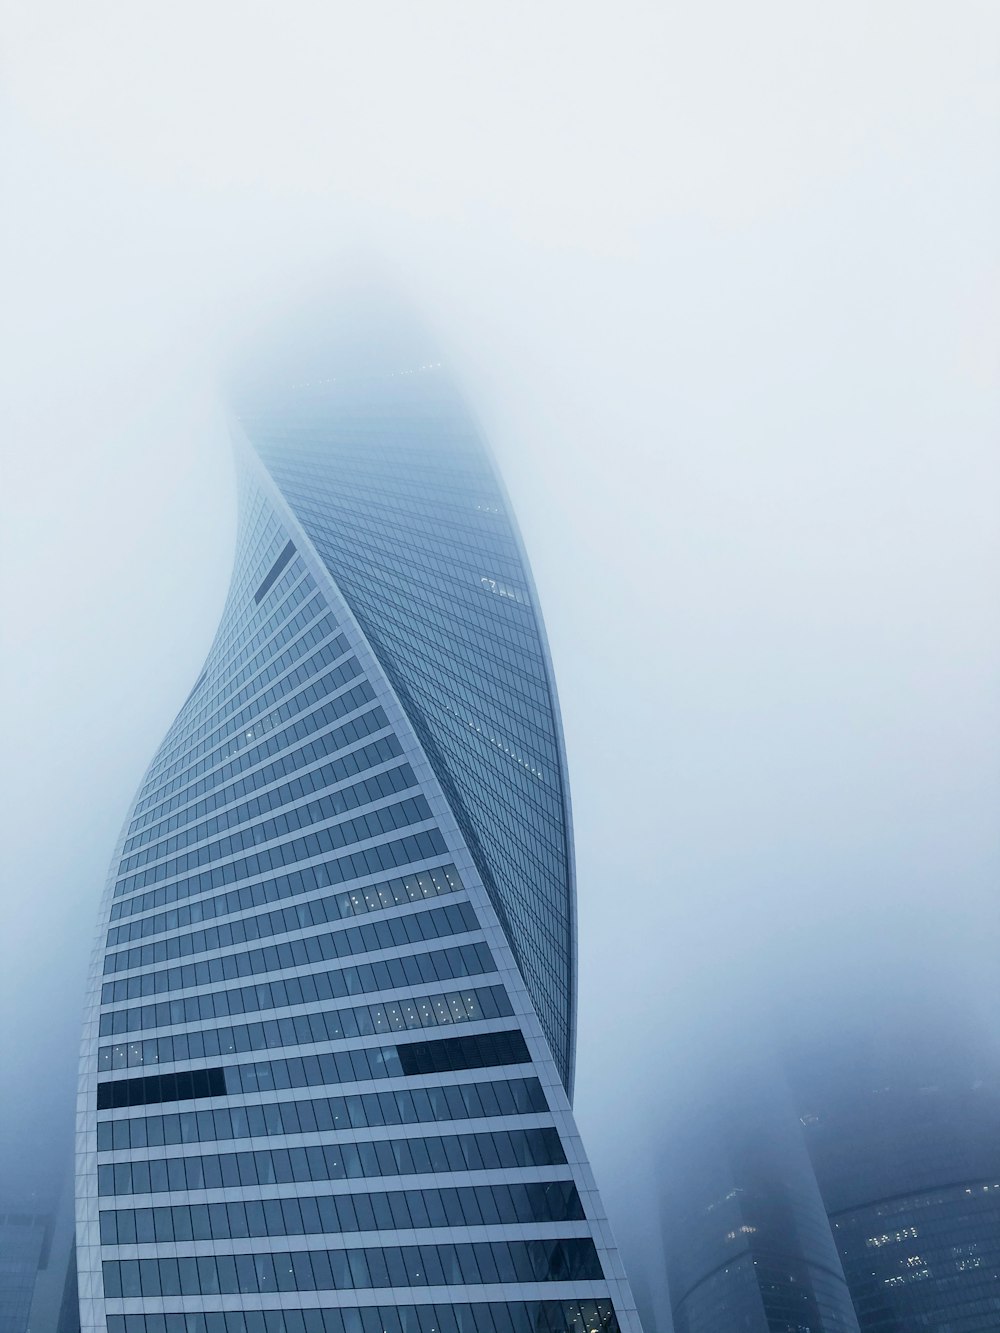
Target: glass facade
[
  {"x": 748, "y": 1242},
  {"x": 909, "y": 1166},
  {"x": 851, "y": 1184},
  {"x": 930, "y": 1260},
  {"x": 329, "y": 1038},
  {"x": 407, "y": 512},
  {"x": 24, "y": 1240}
]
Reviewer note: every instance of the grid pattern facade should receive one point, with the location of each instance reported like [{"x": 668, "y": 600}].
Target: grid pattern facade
[
  {"x": 911, "y": 1176},
  {"x": 749, "y": 1241},
  {"x": 324, "y": 1068},
  {"x": 926, "y": 1261},
  {"x": 23, "y": 1239},
  {"x": 392, "y": 483}
]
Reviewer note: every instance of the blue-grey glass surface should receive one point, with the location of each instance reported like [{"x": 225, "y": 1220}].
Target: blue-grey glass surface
[
  {"x": 748, "y": 1241},
  {"x": 929, "y": 1260},
  {"x": 389, "y": 476},
  {"x": 910, "y": 1171},
  {"x": 24, "y": 1238},
  {"x": 749, "y": 1246}
]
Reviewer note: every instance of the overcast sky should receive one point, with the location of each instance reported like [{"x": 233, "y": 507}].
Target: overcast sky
[{"x": 722, "y": 281}]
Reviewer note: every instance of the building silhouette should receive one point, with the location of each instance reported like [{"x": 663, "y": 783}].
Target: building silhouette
[
  {"x": 850, "y": 1182},
  {"x": 748, "y": 1245},
  {"x": 25, "y": 1242},
  {"x": 54, "y": 1304},
  {"x": 903, "y": 1129},
  {"x": 328, "y": 1048}
]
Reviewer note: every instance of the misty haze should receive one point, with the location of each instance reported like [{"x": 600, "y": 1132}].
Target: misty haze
[{"x": 610, "y": 396}]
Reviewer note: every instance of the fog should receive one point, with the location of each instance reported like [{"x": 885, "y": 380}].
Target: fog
[{"x": 722, "y": 283}]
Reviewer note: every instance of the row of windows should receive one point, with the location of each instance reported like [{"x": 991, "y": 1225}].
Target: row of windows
[
  {"x": 316, "y": 633},
  {"x": 445, "y": 1265},
  {"x": 344, "y": 1214},
  {"x": 504, "y": 698},
  {"x": 212, "y": 708},
  {"x": 256, "y": 544},
  {"x": 249, "y": 896},
  {"x": 332, "y": 803},
  {"x": 240, "y": 759},
  {"x": 205, "y": 753},
  {"x": 503, "y": 666},
  {"x": 243, "y": 632},
  {"x": 227, "y": 723},
  {"x": 467, "y": 1052},
  {"x": 416, "y": 969},
  {"x": 427, "y": 923},
  {"x": 298, "y": 664},
  {"x": 413, "y": 1156},
  {"x": 213, "y": 786},
  {"x": 484, "y": 1050},
  {"x": 153, "y": 844},
  {"x": 579, "y": 1316},
  {"x": 925, "y": 1260},
  {"x": 481, "y": 1050},
  {"x": 412, "y": 810},
  {"x": 398, "y": 1106},
  {"x": 384, "y": 895},
  {"x": 368, "y": 1020},
  {"x": 510, "y": 772},
  {"x": 358, "y": 761},
  {"x": 230, "y": 649},
  {"x": 279, "y": 826},
  {"x": 422, "y": 443},
  {"x": 183, "y": 1085},
  {"x": 335, "y": 870}
]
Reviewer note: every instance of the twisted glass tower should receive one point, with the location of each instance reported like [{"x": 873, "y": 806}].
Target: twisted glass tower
[{"x": 329, "y": 1042}]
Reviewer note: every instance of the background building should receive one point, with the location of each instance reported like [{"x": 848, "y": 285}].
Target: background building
[
  {"x": 748, "y": 1245},
  {"x": 903, "y": 1128},
  {"x": 328, "y": 1050},
  {"x": 25, "y": 1239},
  {"x": 37, "y": 1271},
  {"x": 851, "y": 1182},
  {"x": 54, "y": 1303}
]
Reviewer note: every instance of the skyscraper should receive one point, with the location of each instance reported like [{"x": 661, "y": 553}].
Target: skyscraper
[
  {"x": 25, "y": 1237},
  {"x": 851, "y": 1183},
  {"x": 328, "y": 1050},
  {"x": 903, "y": 1128},
  {"x": 748, "y": 1244}
]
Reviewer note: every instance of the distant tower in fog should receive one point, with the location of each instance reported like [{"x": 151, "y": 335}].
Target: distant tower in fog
[
  {"x": 25, "y": 1236},
  {"x": 748, "y": 1245},
  {"x": 329, "y": 1045},
  {"x": 904, "y": 1136},
  {"x": 855, "y": 1187}
]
